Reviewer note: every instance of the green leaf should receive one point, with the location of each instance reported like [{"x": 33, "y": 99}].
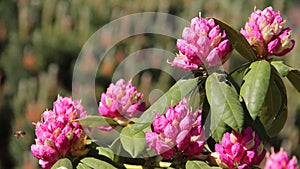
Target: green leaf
[
  {"x": 294, "y": 78},
  {"x": 95, "y": 121},
  {"x": 170, "y": 168},
  {"x": 224, "y": 101},
  {"x": 116, "y": 147},
  {"x": 274, "y": 105},
  {"x": 64, "y": 162},
  {"x": 171, "y": 97},
  {"x": 196, "y": 164},
  {"x": 238, "y": 41},
  {"x": 134, "y": 144},
  {"x": 274, "y": 114},
  {"x": 107, "y": 152},
  {"x": 259, "y": 128},
  {"x": 218, "y": 132},
  {"x": 278, "y": 123},
  {"x": 255, "y": 87},
  {"x": 82, "y": 166},
  {"x": 281, "y": 68},
  {"x": 96, "y": 164},
  {"x": 286, "y": 71},
  {"x": 238, "y": 73},
  {"x": 205, "y": 110}
]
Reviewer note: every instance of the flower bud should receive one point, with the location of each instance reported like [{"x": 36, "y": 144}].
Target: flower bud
[
  {"x": 267, "y": 34},
  {"x": 280, "y": 160},
  {"x": 202, "y": 42},
  {"x": 240, "y": 150},
  {"x": 121, "y": 102},
  {"x": 179, "y": 127},
  {"x": 56, "y": 132}
]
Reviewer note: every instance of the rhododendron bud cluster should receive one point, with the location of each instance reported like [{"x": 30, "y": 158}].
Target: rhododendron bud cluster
[
  {"x": 240, "y": 150},
  {"x": 267, "y": 34},
  {"x": 202, "y": 42},
  {"x": 57, "y": 133},
  {"x": 280, "y": 160},
  {"x": 121, "y": 102},
  {"x": 179, "y": 130}
]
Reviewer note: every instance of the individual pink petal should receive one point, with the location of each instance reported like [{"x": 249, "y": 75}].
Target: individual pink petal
[
  {"x": 170, "y": 133},
  {"x": 159, "y": 123},
  {"x": 159, "y": 146}
]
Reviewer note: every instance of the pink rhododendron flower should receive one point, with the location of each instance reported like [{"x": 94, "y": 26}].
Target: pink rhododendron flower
[
  {"x": 240, "y": 150},
  {"x": 280, "y": 160},
  {"x": 267, "y": 34},
  {"x": 179, "y": 130},
  {"x": 202, "y": 42},
  {"x": 57, "y": 133},
  {"x": 121, "y": 102}
]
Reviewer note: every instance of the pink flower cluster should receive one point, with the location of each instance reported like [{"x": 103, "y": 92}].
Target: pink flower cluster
[
  {"x": 280, "y": 160},
  {"x": 179, "y": 130},
  {"x": 202, "y": 42},
  {"x": 121, "y": 102},
  {"x": 57, "y": 134},
  {"x": 240, "y": 150},
  {"x": 267, "y": 34}
]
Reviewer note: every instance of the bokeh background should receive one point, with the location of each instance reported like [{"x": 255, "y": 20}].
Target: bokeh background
[{"x": 40, "y": 41}]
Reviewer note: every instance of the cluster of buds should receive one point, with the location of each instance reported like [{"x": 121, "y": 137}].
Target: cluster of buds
[
  {"x": 179, "y": 130},
  {"x": 202, "y": 42},
  {"x": 239, "y": 150},
  {"x": 267, "y": 34},
  {"x": 57, "y": 134},
  {"x": 121, "y": 102},
  {"x": 280, "y": 160}
]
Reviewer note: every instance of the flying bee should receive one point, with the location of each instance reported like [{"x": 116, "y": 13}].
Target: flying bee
[{"x": 19, "y": 133}]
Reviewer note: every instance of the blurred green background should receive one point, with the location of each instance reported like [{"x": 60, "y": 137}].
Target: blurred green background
[{"x": 41, "y": 40}]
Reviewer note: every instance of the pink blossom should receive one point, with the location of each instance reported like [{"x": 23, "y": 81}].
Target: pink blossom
[
  {"x": 267, "y": 34},
  {"x": 240, "y": 150},
  {"x": 179, "y": 130},
  {"x": 280, "y": 160},
  {"x": 202, "y": 42},
  {"x": 57, "y": 131},
  {"x": 121, "y": 102}
]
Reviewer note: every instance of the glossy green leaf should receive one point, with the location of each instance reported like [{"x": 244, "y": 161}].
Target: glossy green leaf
[
  {"x": 96, "y": 164},
  {"x": 281, "y": 68},
  {"x": 196, "y": 164},
  {"x": 224, "y": 101},
  {"x": 64, "y": 162},
  {"x": 286, "y": 71},
  {"x": 171, "y": 97},
  {"x": 275, "y": 104},
  {"x": 116, "y": 147},
  {"x": 238, "y": 73},
  {"x": 255, "y": 86},
  {"x": 107, "y": 152},
  {"x": 278, "y": 123},
  {"x": 219, "y": 130},
  {"x": 294, "y": 78},
  {"x": 95, "y": 121},
  {"x": 259, "y": 128},
  {"x": 134, "y": 144},
  {"x": 238, "y": 41},
  {"x": 82, "y": 166},
  {"x": 274, "y": 111}
]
